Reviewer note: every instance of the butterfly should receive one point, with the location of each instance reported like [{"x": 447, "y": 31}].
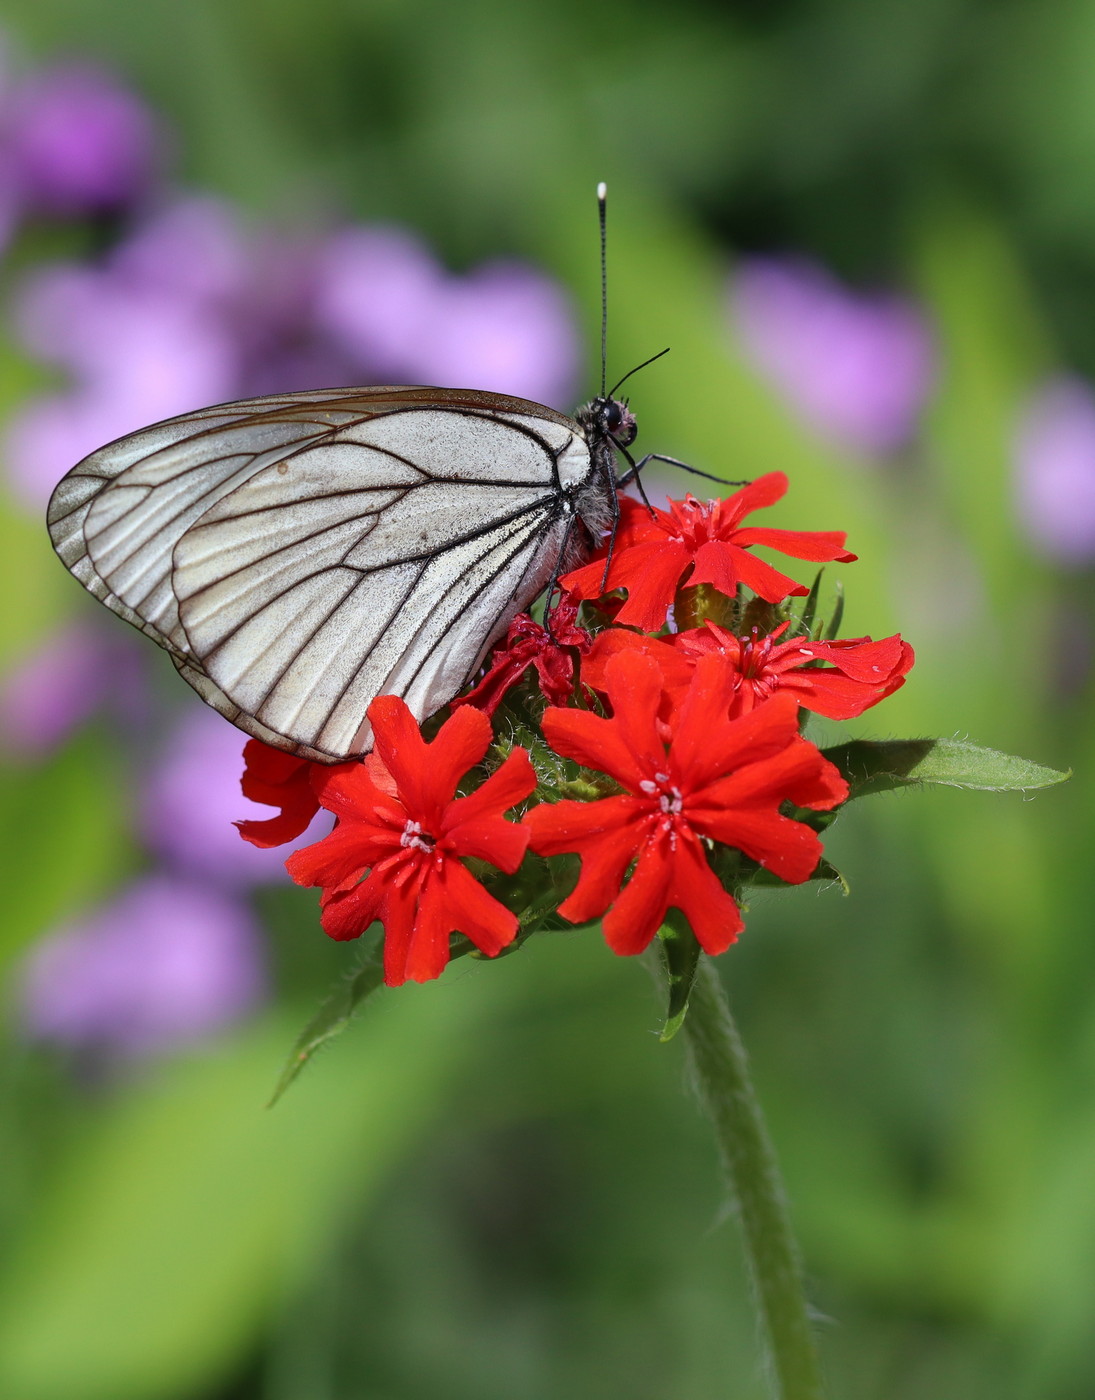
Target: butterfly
[{"x": 299, "y": 554}]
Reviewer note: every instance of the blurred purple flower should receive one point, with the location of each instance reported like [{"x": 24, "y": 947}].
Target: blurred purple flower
[
  {"x": 77, "y": 141},
  {"x": 192, "y": 797},
  {"x": 193, "y": 248},
  {"x": 73, "y": 674},
  {"x": 857, "y": 367},
  {"x": 1055, "y": 470},
  {"x": 166, "y": 962},
  {"x": 384, "y": 300},
  {"x": 137, "y": 351},
  {"x": 191, "y": 310}
]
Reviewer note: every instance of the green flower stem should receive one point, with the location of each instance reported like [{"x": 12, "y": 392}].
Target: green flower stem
[{"x": 717, "y": 1060}]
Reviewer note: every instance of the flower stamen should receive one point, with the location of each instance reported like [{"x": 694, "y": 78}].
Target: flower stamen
[{"x": 414, "y": 836}]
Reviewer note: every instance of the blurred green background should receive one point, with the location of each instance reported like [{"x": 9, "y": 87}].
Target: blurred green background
[{"x": 494, "y": 1186}]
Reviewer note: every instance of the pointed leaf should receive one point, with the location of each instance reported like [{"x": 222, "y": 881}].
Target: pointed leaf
[
  {"x": 809, "y": 606},
  {"x": 341, "y": 1006},
  {"x": 837, "y": 618},
  {"x": 681, "y": 953},
  {"x": 877, "y": 766},
  {"x": 336, "y": 1013}
]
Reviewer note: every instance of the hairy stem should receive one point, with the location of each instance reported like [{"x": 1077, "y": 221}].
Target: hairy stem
[{"x": 718, "y": 1064}]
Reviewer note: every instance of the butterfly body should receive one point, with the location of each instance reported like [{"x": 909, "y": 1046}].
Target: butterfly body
[{"x": 299, "y": 554}]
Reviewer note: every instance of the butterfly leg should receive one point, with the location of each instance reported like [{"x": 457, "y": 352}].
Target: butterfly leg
[
  {"x": 633, "y": 473},
  {"x": 553, "y": 584},
  {"x": 611, "y": 487}
]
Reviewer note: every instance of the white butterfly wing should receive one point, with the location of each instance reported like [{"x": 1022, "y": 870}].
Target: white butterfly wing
[
  {"x": 301, "y": 555},
  {"x": 115, "y": 518}
]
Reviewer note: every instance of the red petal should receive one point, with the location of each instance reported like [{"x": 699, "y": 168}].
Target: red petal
[
  {"x": 349, "y": 914},
  {"x": 649, "y": 571},
  {"x": 637, "y": 915},
  {"x": 768, "y": 583},
  {"x": 788, "y": 848},
  {"x": 798, "y": 774},
  {"x": 474, "y": 911},
  {"x": 712, "y": 913},
  {"x": 569, "y": 826},
  {"x": 707, "y": 745},
  {"x": 606, "y": 834},
  {"x": 555, "y": 671},
  {"x": 765, "y": 491},
  {"x": 352, "y": 846},
  {"x": 351, "y": 792},
  {"x": 513, "y": 781},
  {"x": 427, "y": 948},
  {"x": 503, "y": 675},
  {"x": 835, "y": 696},
  {"x": 638, "y": 526},
  {"x": 868, "y": 661},
  {"x": 399, "y": 909},
  {"x": 628, "y": 746},
  {"x": 427, "y": 774},
  {"x": 493, "y": 839},
  {"x": 720, "y": 565},
  {"x": 264, "y": 764},
  {"x": 592, "y": 741},
  {"x": 294, "y": 820},
  {"x": 276, "y": 779},
  {"x": 817, "y": 545}
]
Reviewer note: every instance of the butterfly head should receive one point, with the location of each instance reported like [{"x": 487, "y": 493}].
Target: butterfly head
[{"x": 609, "y": 418}]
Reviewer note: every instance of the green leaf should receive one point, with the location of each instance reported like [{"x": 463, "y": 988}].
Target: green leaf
[
  {"x": 341, "y": 1006},
  {"x": 879, "y": 765},
  {"x": 681, "y": 954},
  {"x": 336, "y": 1013}
]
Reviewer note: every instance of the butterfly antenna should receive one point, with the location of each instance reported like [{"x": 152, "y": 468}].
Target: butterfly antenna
[
  {"x": 612, "y": 392},
  {"x": 602, "y": 196}
]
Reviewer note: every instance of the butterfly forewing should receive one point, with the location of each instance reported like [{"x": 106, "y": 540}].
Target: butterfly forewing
[{"x": 301, "y": 554}]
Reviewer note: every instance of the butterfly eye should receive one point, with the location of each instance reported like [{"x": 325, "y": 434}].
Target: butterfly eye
[{"x": 620, "y": 422}]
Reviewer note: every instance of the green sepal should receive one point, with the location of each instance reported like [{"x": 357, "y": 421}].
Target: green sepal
[
  {"x": 534, "y": 892},
  {"x": 838, "y": 614},
  {"x": 681, "y": 955},
  {"x": 809, "y": 607},
  {"x": 695, "y": 604},
  {"x": 871, "y": 765},
  {"x": 761, "y": 614}
]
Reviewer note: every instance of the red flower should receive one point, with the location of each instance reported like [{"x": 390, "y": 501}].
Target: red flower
[
  {"x": 528, "y": 644},
  {"x": 862, "y": 672},
  {"x": 410, "y": 834},
  {"x": 705, "y": 541},
  {"x": 277, "y": 779},
  {"x": 716, "y": 778}
]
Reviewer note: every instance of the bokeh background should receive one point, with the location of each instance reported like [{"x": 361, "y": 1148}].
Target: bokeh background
[{"x": 868, "y": 233}]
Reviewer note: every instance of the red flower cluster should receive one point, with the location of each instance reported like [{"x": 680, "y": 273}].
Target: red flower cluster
[
  {"x": 858, "y": 674},
  {"x": 697, "y": 731},
  {"x": 699, "y": 777},
  {"x": 408, "y": 830}
]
